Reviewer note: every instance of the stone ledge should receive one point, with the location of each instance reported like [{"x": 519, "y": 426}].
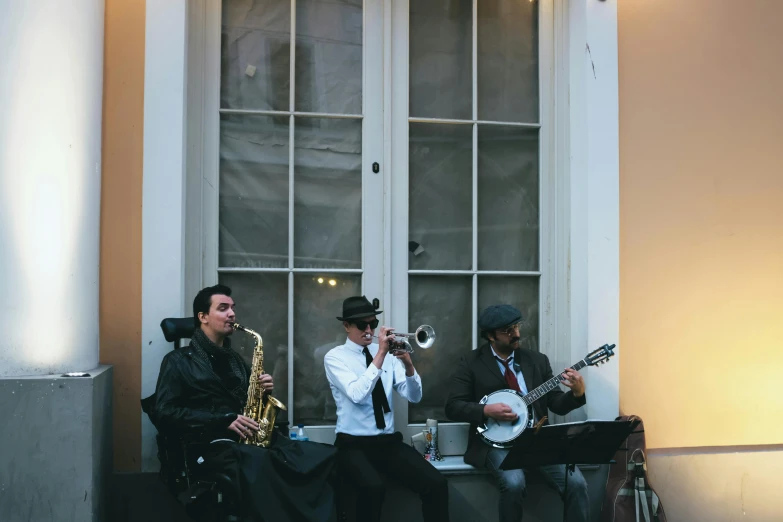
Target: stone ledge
[
  {"x": 455, "y": 465},
  {"x": 56, "y": 455}
]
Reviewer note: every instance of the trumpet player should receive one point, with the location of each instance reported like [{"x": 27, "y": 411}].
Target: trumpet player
[
  {"x": 362, "y": 375},
  {"x": 200, "y": 396}
]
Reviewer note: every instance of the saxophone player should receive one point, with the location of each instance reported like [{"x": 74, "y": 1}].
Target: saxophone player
[{"x": 201, "y": 393}]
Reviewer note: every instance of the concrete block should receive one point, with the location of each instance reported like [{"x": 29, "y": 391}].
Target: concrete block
[{"x": 56, "y": 452}]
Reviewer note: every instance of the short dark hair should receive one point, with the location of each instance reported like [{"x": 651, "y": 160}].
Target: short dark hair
[{"x": 203, "y": 300}]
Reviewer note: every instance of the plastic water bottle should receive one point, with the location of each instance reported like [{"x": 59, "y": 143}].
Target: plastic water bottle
[
  {"x": 292, "y": 435},
  {"x": 301, "y": 435}
]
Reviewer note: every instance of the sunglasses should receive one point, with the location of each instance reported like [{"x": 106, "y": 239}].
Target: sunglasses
[{"x": 362, "y": 325}]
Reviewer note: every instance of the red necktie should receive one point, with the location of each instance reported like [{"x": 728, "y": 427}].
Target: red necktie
[{"x": 511, "y": 378}]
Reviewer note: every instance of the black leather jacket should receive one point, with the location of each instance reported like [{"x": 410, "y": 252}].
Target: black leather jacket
[{"x": 190, "y": 398}]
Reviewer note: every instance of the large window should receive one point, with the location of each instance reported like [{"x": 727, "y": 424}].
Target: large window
[
  {"x": 310, "y": 95},
  {"x": 290, "y": 196},
  {"x": 473, "y": 174},
  {"x": 473, "y": 136}
]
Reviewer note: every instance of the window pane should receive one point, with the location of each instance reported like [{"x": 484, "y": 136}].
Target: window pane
[
  {"x": 441, "y": 63},
  {"x": 521, "y": 292},
  {"x": 258, "y": 299},
  {"x": 256, "y": 54},
  {"x": 508, "y": 60},
  {"x": 329, "y": 56},
  {"x": 316, "y": 331},
  {"x": 507, "y": 198},
  {"x": 253, "y": 198},
  {"x": 441, "y": 188},
  {"x": 445, "y": 303},
  {"x": 327, "y": 193}
]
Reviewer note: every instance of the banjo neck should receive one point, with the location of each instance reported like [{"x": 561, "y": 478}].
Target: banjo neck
[{"x": 549, "y": 385}]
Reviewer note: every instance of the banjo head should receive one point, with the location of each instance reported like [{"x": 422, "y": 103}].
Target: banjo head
[{"x": 501, "y": 434}]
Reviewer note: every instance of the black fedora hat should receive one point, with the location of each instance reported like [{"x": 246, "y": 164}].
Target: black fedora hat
[{"x": 357, "y": 307}]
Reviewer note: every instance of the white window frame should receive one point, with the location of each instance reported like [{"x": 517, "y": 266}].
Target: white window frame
[
  {"x": 202, "y": 182},
  {"x": 584, "y": 249},
  {"x": 453, "y": 436}
]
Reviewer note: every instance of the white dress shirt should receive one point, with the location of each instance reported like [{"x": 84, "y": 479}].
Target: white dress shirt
[{"x": 352, "y": 382}]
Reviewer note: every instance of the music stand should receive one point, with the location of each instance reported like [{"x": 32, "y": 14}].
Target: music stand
[{"x": 572, "y": 443}]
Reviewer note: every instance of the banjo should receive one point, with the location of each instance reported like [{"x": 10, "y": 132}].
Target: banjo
[{"x": 501, "y": 434}]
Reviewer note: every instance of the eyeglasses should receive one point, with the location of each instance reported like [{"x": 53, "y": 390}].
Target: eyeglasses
[
  {"x": 511, "y": 329},
  {"x": 362, "y": 325}
]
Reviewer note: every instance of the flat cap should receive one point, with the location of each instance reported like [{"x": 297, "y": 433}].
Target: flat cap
[{"x": 497, "y": 316}]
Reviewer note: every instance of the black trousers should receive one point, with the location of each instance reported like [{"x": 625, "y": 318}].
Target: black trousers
[{"x": 363, "y": 460}]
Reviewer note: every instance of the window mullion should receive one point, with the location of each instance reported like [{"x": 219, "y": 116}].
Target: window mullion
[
  {"x": 474, "y": 304},
  {"x": 291, "y": 325},
  {"x": 291, "y": 174},
  {"x": 475, "y": 59}
]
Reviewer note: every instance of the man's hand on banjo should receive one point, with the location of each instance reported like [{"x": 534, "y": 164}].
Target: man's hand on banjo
[
  {"x": 573, "y": 380},
  {"x": 500, "y": 412}
]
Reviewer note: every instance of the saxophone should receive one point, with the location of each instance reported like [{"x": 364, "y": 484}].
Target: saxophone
[{"x": 261, "y": 409}]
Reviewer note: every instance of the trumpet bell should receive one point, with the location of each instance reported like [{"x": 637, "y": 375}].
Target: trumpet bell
[{"x": 425, "y": 336}]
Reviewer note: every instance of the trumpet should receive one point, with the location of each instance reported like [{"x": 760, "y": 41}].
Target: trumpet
[{"x": 424, "y": 337}]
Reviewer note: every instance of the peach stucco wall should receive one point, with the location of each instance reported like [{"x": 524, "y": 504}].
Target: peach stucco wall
[
  {"x": 701, "y": 249},
  {"x": 120, "y": 294}
]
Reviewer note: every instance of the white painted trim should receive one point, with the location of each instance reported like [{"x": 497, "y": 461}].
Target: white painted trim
[
  {"x": 263, "y": 112},
  {"x": 163, "y": 232},
  {"x": 396, "y": 101},
  {"x": 211, "y": 121},
  {"x": 603, "y": 196},
  {"x": 374, "y": 149},
  {"x": 291, "y": 214},
  {"x": 587, "y": 159},
  {"x": 549, "y": 195},
  {"x": 195, "y": 139}
]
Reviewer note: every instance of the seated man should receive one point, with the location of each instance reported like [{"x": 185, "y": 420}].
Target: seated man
[
  {"x": 202, "y": 389},
  {"x": 362, "y": 375},
  {"x": 501, "y": 364}
]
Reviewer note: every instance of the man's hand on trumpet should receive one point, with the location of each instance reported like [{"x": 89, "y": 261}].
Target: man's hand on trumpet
[
  {"x": 405, "y": 358},
  {"x": 385, "y": 339},
  {"x": 396, "y": 349}
]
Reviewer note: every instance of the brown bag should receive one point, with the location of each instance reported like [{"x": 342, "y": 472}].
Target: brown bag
[{"x": 629, "y": 496}]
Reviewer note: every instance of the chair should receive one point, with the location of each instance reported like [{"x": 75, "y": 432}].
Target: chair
[{"x": 205, "y": 497}]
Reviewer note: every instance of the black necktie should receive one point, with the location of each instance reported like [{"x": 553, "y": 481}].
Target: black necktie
[{"x": 380, "y": 403}]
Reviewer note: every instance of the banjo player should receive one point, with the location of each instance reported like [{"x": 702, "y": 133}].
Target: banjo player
[{"x": 500, "y": 364}]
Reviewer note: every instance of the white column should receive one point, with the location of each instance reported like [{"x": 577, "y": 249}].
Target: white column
[
  {"x": 603, "y": 192},
  {"x": 51, "y": 87},
  {"x": 600, "y": 74},
  {"x": 163, "y": 198},
  {"x": 593, "y": 174}
]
